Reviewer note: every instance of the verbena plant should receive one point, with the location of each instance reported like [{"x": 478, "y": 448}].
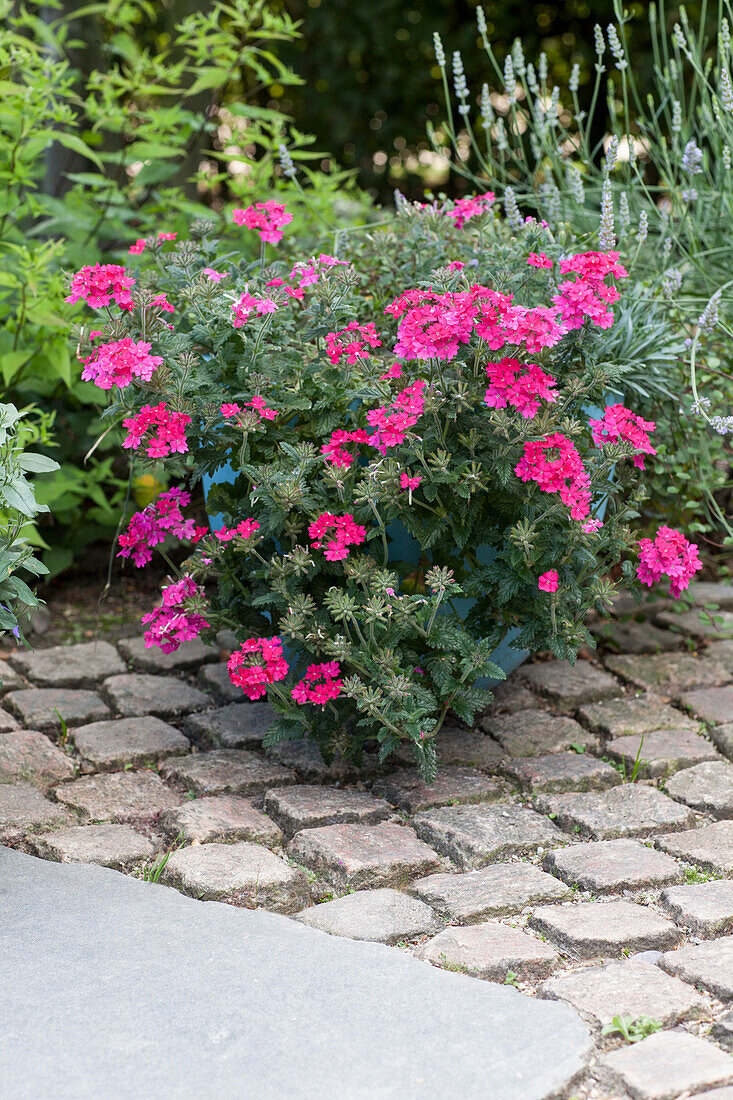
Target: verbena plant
[{"x": 416, "y": 471}]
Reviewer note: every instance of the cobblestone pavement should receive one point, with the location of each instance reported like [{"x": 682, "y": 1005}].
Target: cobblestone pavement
[{"x": 578, "y": 843}]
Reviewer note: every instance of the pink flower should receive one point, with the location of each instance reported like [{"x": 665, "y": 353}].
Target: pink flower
[
  {"x": 338, "y": 533},
  {"x": 173, "y": 623},
  {"x": 260, "y": 407},
  {"x": 393, "y": 422},
  {"x": 248, "y": 304},
  {"x": 465, "y": 209},
  {"x": 522, "y": 391},
  {"x": 168, "y": 430},
  {"x": 456, "y": 265},
  {"x": 561, "y": 472},
  {"x": 167, "y": 236},
  {"x": 116, "y": 364},
  {"x": 591, "y": 526},
  {"x": 334, "y": 449},
  {"x": 395, "y": 371},
  {"x": 668, "y": 554},
  {"x": 257, "y": 663},
  {"x": 407, "y": 482},
  {"x": 588, "y": 296},
  {"x": 154, "y": 524},
  {"x": 215, "y": 276},
  {"x": 230, "y": 409},
  {"x": 539, "y": 259},
  {"x": 548, "y": 581},
  {"x": 320, "y": 684},
  {"x": 161, "y": 302},
  {"x": 621, "y": 424},
  {"x": 138, "y": 246},
  {"x": 268, "y": 218},
  {"x": 245, "y": 529},
  {"x": 354, "y": 347},
  {"x": 101, "y": 284}
]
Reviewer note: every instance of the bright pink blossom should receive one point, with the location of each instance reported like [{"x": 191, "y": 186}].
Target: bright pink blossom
[
  {"x": 161, "y": 518},
  {"x": 588, "y": 296},
  {"x": 539, "y": 259},
  {"x": 249, "y": 305},
  {"x": 138, "y": 247},
  {"x": 230, "y": 409},
  {"x": 167, "y": 430},
  {"x": 353, "y": 347},
  {"x": 116, "y": 364},
  {"x": 161, "y": 302},
  {"x": 407, "y": 482},
  {"x": 621, "y": 424},
  {"x": 334, "y": 449},
  {"x": 245, "y": 529},
  {"x": 215, "y": 276},
  {"x": 522, "y": 386},
  {"x": 456, "y": 265},
  {"x": 172, "y": 622},
  {"x": 257, "y": 663},
  {"x": 338, "y": 533},
  {"x": 592, "y": 525},
  {"x": 320, "y": 683},
  {"x": 465, "y": 209},
  {"x": 395, "y": 371},
  {"x": 167, "y": 236},
  {"x": 548, "y": 581},
  {"x": 669, "y": 554},
  {"x": 268, "y": 218},
  {"x": 102, "y": 284},
  {"x": 392, "y": 422},
  {"x": 554, "y": 463},
  {"x": 260, "y": 407}
]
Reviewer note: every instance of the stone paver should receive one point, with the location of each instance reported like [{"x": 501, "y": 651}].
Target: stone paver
[
  {"x": 562, "y": 771},
  {"x": 126, "y": 742},
  {"x": 703, "y": 624},
  {"x": 118, "y": 796},
  {"x": 494, "y": 891},
  {"x": 28, "y": 754},
  {"x": 710, "y": 846},
  {"x": 408, "y": 791},
  {"x": 69, "y": 665},
  {"x": 711, "y": 592},
  {"x": 604, "y": 928},
  {"x": 23, "y": 809},
  {"x": 629, "y": 810},
  {"x": 37, "y": 707},
  {"x": 721, "y": 653},
  {"x": 224, "y": 818},
  {"x": 384, "y": 916},
  {"x": 10, "y": 680},
  {"x": 7, "y": 722},
  {"x": 492, "y": 951},
  {"x": 640, "y": 714},
  {"x": 189, "y": 655},
  {"x": 537, "y": 732},
  {"x": 247, "y": 874},
  {"x": 722, "y": 1032},
  {"x": 634, "y": 637},
  {"x": 215, "y": 678},
  {"x": 613, "y": 866},
  {"x": 304, "y": 757},
  {"x": 136, "y": 694},
  {"x": 661, "y": 752},
  {"x": 510, "y": 696},
  {"x": 634, "y": 988},
  {"x": 235, "y": 726},
  {"x": 226, "y": 771},
  {"x": 468, "y": 748},
  {"x": 667, "y": 1065},
  {"x": 358, "y": 856},
  {"x": 706, "y": 908},
  {"x": 475, "y": 835},
  {"x": 723, "y": 738},
  {"x": 309, "y": 807},
  {"x": 707, "y": 966},
  {"x": 570, "y": 685},
  {"x": 668, "y": 674},
  {"x": 116, "y": 846},
  {"x": 713, "y": 705},
  {"x": 706, "y": 787}
]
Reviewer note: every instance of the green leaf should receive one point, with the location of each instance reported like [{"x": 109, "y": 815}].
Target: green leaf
[
  {"x": 75, "y": 143},
  {"x": 11, "y": 362},
  {"x": 37, "y": 464}
]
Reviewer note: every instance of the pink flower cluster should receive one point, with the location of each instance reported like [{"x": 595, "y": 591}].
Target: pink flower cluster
[
  {"x": 320, "y": 683},
  {"x": 465, "y": 209},
  {"x": 308, "y": 273},
  {"x": 101, "y": 284},
  {"x": 116, "y": 364},
  {"x": 394, "y": 421},
  {"x": 562, "y": 472},
  {"x": 539, "y": 259},
  {"x": 407, "y": 482},
  {"x": 256, "y": 664},
  {"x": 231, "y": 409},
  {"x": 354, "y": 347},
  {"x": 161, "y": 302},
  {"x": 168, "y": 430},
  {"x": 268, "y": 218},
  {"x": 170, "y": 624},
  {"x": 213, "y": 275},
  {"x": 334, "y": 449},
  {"x": 245, "y": 529},
  {"x": 588, "y": 296},
  {"x": 548, "y": 581},
  {"x": 249, "y": 305},
  {"x": 621, "y": 424},
  {"x": 521, "y": 390},
  {"x": 141, "y": 243},
  {"x": 338, "y": 533},
  {"x": 669, "y": 554},
  {"x": 155, "y": 523}
]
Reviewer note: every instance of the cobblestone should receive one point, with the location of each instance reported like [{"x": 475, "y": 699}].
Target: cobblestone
[
  {"x": 634, "y": 637},
  {"x": 247, "y": 874},
  {"x": 69, "y": 665},
  {"x": 661, "y": 753},
  {"x": 492, "y": 951},
  {"x": 118, "y": 796},
  {"x": 666, "y": 1065},
  {"x": 39, "y": 708},
  {"x": 215, "y": 678},
  {"x": 711, "y": 592},
  {"x": 222, "y": 818},
  {"x": 703, "y": 624},
  {"x": 137, "y": 694},
  {"x": 629, "y": 810},
  {"x": 722, "y": 1032},
  {"x": 309, "y": 807},
  {"x": 707, "y": 966},
  {"x": 641, "y": 714},
  {"x": 570, "y": 685},
  {"x": 494, "y": 891},
  {"x": 116, "y": 846},
  {"x": 710, "y": 846},
  {"x": 468, "y": 748},
  {"x": 473, "y": 836},
  {"x": 706, "y": 908},
  {"x": 28, "y": 755},
  {"x": 127, "y": 742},
  {"x": 604, "y": 928},
  {"x": 510, "y": 696},
  {"x": 226, "y": 771},
  {"x": 721, "y": 653},
  {"x": 235, "y": 726},
  {"x": 383, "y": 916},
  {"x": 613, "y": 866},
  {"x": 668, "y": 674},
  {"x": 713, "y": 705},
  {"x": 537, "y": 732},
  {"x": 9, "y": 678},
  {"x": 359, "y": 856},
  {"x": 706, "y": 787},
  {"x": 7, "y": 722},
  {"x": 408, "y": 791},
  {"x": 563, "y": 771},
  {"x": 189, "y": 655},
  {"x": 723, "y": 738},
  {"x": 23, "y": 809},
  {"x": 304, "y": 757}
]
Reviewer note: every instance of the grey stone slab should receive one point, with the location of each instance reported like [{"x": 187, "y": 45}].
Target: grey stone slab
[
  {"x": 408, "y": 791},
  {"x": 722, "y": 1032},
  {"x": 215, "y": 678},
  {"x": 304, "y": 757},
  {"x": 633, "y": 988},
  {"x": 562, "y": 771},
  {"x": 247, "y": 874},
  {"x": 224, "y": 817},
  {"x": 721, "y": 653},
  {"x": 235, "y": 726},
  {"x": 629, "y": 810},
  {"x": 604, "y": 928},
  {"x": 706, "y": 787},
  {"x": 136, "y": 694},
  {"x": 635, "y": 637},
  {"x": 723, "y": 738},
  {"x": 226, "y": 771},
  {"x": 125, "y": 742},
  {"x": 384, "y": 916},
  {"x": 359, "y": 856},
  {"x": 69, "y": 665},
  {"x": 706, "y": 908},
  {"x": 118, "y": 796},
  {"x": 39, "y": 708},
  {"x": 660, "y": 753},
  {"x": 492, "y": 951},
  {"x": 29, "y": 755},
  {"x": 537, "y": 732},
  {"x": 567, "y": 685},
  {"x": 640, "y": 714},
  {"x": 611, "y": 866},
  {"x": 668, "y": 674},
  {"x": 10, "y": 680},
  {"x": 719, "y": 593},
  {"x": 667, "y": 1065},
  {"x": 221, "y": 1026},
  {"x": 713, "y": 705},
  {"x": 494, "y": 891},
  {"x": 710, "y": 846},
  {"x": 309, "y": 807},
  {"x": 468, "y": 748},
  {"x": 189, "y": 655},
  {"x": 511, "y": 696},
  {"x": 473, "y": 836},
  {"x": 116, "y": 846},
  {"x": 7, "y": 722},
  {"x": 707, "y": 966},
  {"x": 703, "y": 624},
  {"x": 24, "y": 810}
]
